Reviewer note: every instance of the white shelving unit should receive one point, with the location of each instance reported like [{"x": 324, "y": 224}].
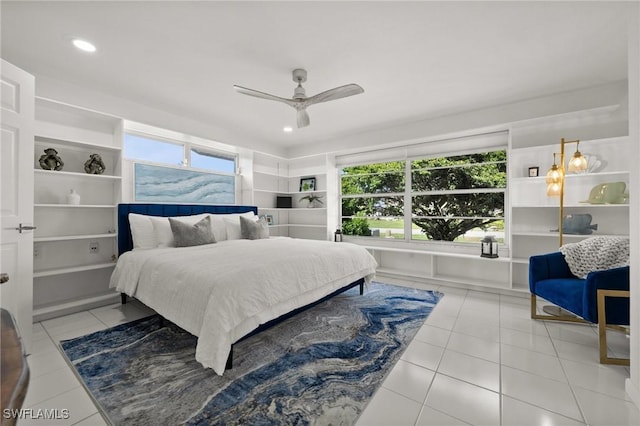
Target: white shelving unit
[
  {"x": 74, "y": 245},
  {"x": 535, "y": 216},
  {"x": 275, "y": 176}
]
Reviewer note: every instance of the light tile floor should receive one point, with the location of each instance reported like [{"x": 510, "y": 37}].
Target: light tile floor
[{"x": 478, "y": 360}]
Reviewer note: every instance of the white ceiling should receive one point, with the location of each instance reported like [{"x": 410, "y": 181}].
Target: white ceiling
[{"x": 415, "y": 60}]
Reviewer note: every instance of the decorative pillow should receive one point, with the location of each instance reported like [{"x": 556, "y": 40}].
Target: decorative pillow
[
  {"x": 142, "y": 232},
  {"x": 232, "y": 222},
  {"x": 163, "y": 231},
  {"x": 252, "y": 230},
  {"x": 186, "y": 235}
]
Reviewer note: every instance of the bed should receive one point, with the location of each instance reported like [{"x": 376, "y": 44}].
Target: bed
[{"x": 224, "y": 291}]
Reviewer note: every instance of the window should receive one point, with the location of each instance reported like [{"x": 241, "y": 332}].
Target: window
[
  {"x": 458, "y": 198},
  {"x": 152, "y": 150},
  {"x": 206, "y": 160},
  {"x": 180, "y": 171},
  {"x": 156, "y": 150},
  {"x": 373, "y": 199},
  {"x": 431, "y": 198}
]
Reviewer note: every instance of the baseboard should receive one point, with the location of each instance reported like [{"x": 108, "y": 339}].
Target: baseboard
[
  {"x": 49, "y": 312},
  {"x": 633, "y": 392}
]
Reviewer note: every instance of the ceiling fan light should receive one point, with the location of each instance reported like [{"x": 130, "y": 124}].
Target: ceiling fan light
[{"x": 84, "y": 45}]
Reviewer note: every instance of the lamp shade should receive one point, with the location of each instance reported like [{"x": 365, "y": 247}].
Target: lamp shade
[
  {"x": 578, "y": 163},
  {"x": 554, "y": 189},
  {"x": 554, "y": 175}
]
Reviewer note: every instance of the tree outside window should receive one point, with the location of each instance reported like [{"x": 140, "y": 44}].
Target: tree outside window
[{"x": 451, "y": 197}]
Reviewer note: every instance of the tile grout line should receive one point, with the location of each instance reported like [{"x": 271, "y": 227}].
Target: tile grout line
[{"x": 573, "y": 393}]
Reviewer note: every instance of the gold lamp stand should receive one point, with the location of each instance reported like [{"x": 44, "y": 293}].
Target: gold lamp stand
[
  {"x": 556, "y": 176},
  {"x": 555, "y": 188}
]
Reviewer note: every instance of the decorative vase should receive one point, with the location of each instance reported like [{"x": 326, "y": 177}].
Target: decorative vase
[{"x": 73, "y": 197}]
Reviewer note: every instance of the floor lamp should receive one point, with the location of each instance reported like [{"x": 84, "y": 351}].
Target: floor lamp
[
  {"x": 555, "y": 188},
  {"x": 556, "y": 176}
]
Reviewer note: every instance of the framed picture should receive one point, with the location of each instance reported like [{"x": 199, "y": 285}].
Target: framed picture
[
  {"x": 533, "y": 171},
  {"x": 307, "y": 184},
  {"x": 269, "y": 219}
]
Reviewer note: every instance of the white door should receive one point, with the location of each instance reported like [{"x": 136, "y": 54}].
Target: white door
[{"x": 16, "y": 196}]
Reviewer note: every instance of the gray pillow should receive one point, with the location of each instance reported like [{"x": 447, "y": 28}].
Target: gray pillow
[
  {"x": 186, "y": 235},
  {"x": 252, "y": 230}
]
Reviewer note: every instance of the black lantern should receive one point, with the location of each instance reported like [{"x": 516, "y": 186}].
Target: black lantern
[
  {"x": 489, "y": 247},
  {"x": 337, "y": 236}
]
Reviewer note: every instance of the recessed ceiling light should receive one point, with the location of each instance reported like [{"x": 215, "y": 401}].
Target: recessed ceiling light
[
  {"x": 287, "y": 129},
  {"x": 84, "y": 45}
]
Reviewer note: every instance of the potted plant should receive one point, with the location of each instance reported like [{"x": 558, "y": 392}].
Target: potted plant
[{"x": 313, "y": 199}]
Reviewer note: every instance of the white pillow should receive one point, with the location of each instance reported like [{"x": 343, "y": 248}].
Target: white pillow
[
  {"x": 162, "y": 231},
  {"x": 218, "y": 227},
  {"x": 142, "y": 232},
  {"x": 155, "y": 231},
  {"x": 232, "y": 222}
]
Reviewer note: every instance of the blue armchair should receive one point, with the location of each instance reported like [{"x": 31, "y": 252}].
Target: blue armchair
[{"x": 602, "y": 298}]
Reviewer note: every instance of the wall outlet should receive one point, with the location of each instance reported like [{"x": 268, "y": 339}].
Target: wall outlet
[
  {"x": 94, "y": 247},
  {"x": 36, "y": 250}
]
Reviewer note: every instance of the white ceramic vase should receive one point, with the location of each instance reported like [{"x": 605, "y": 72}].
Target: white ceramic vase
[{"x": 73, "y": 197}]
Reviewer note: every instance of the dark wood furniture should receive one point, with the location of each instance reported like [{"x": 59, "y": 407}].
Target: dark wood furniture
[{"x": 14, "y": 370}]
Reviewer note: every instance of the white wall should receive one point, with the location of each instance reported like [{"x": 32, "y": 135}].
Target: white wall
[
  {"x": 594, "y": 97},
  {"x": 90, "y": 99},
  {"x": 633, "y": 383}
]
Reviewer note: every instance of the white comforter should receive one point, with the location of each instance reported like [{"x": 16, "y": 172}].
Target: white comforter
[{"x": 220, "y": 292}]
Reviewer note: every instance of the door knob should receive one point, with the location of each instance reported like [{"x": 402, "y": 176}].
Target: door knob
[
  {"x": 4, "y": 278},
  {"x": 22, "y": 227}
]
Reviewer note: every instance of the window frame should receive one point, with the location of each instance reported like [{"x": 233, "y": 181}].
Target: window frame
[
  {"x": 409, "y": 193},
  {"x": 187, "y": 147}
]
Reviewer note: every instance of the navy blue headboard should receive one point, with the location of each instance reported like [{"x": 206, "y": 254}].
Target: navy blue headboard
[{"x": 125, "y": 242}]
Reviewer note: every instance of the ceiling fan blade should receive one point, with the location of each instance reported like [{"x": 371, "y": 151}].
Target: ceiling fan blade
[
  {"x": 336, "y": 93},
  {"x": 263, "y": 95},
  {"x": 303, "y": 118}
]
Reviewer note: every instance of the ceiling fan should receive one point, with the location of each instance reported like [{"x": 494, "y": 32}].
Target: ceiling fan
[{"x": 300, "y": 101}]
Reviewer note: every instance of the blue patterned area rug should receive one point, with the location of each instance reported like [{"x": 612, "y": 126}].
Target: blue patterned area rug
[{"x": 321, "y": 366}]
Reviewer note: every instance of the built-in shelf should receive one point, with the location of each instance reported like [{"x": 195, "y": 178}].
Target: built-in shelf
[
  {"x": 567, "y": 206},
  {"x": 556, "y": 235},
  {"x": 447, "y": 279},
  {"x": 73, "y": 237},
  {"x": 275, "y": 174},
  {"x": 534, "y": 214},
  {"x": 271, "y": 191},
  {"x": 52, "y": 311},
  {"x": 69, "y": 270},
  {"x": 569, "y": 176},
  {"x": 307, "y": 209},
  {"x": 437, "y": 253},
  {"x": 78, "y": 206},
  {"x": 75, "y": 174},
  {"x": 71, "y": 142},
  {"x": 69, "y": 276}
]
